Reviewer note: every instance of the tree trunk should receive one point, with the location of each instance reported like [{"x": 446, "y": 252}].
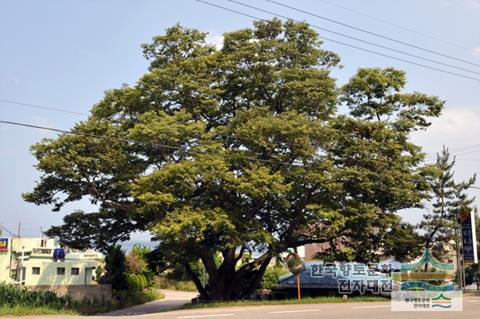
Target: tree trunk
[{"x": 226, "y": 282}]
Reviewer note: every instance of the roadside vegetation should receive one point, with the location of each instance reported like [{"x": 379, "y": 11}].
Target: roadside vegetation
[
  {"x": 131, "y": 281},
  {"x": 308, "y": 300},
  {"x": 28, "y": 311},
  {"x": 20, "y": 301},
  {"x": 163, "y": 282},
  {"x": 270, "y": 278}
]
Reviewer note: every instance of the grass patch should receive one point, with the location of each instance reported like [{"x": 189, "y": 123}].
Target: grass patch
[
  {"x": 308, "y": 300},
  {"x": 29, "y": 310},
  {"x": 162, "y": 282},
  {"x": 55, "y": 305}
]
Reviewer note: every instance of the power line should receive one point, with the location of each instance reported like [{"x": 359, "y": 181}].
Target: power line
[
  {"x": 465, "y": 147},
  {"x": 350, "y": 45},
  {"x": 178, "y": 148},
  {"x": 459, "y": 149},
  {"x": 11, "y": 233},
  {"x": 373, "y": 33},
  {"x": 157, "y": 145},
  {"x": 356, "y": 38},
  {"x": 468, "y": 152},
  {"x": 392, "y": 24},
  {"x": 42, "y": 107},
  {"x": 468, "y": 159},
  {"x": 456, "y": 154}
]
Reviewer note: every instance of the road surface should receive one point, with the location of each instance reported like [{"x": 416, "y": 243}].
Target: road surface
[
  {"x": 173, "y": 299},
  {"x": 350, "y": 310}
]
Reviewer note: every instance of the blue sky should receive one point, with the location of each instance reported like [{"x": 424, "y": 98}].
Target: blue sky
[{"x": 65, "y": 54}]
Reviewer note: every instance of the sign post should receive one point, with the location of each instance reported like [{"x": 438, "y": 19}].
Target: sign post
[
  {"x": 298, "y": 288},
  {"x": 296, "y": 266}
]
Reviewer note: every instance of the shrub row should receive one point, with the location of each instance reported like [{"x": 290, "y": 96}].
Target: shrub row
[
  {"x": 137, "y": 282},
  {"x": 12, "y": 296}
]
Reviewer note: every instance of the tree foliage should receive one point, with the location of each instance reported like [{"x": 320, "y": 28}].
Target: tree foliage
[
  {"x": 137, "y": 260},
  {"x": 450, "y": 200},
  {"x": 115, "y": 269},
  {"x": 223, "y": 151}
]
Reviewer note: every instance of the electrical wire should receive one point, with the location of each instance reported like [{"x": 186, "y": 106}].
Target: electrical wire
[
  {"x": 42, "y": 107},
  {"x": 157, "y": 145},
  {"x": 4, "y": 228},
  {"x": 373, "y": 33},
  {"x": 357, "y": 39},
  {"x": 401, "y": 27},
  {"x": 177, "y": 148},
  {"x": 350, "y": 45}
]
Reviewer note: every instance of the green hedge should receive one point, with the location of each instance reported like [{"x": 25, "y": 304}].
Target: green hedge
[
  {"x": 12, "y": 296},
  {"x": 136, "y": 282}
]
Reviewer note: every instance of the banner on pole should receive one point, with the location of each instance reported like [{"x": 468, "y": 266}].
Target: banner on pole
[{"x": 469, "y": 237}]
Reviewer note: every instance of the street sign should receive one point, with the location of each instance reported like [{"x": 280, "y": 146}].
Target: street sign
[
  {"x": 296, "y": 266},
  {"x": 3, "y": 244},
  {"x": 294, "y": 263}
]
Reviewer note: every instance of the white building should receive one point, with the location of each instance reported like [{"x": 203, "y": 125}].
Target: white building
[{"x": 39, "y": 262}]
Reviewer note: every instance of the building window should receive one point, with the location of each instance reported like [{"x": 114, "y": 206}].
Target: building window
[
  {"x": 75, "y": 271},
  {"x": 35, "y": 270},
  {"x": 60, "y": 271}
]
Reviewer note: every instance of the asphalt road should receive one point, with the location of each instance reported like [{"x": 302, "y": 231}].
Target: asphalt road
[
  {"x": 173, "y": 299},
  {"x": 353, "y": 310}
]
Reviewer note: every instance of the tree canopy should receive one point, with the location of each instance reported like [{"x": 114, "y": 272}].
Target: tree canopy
[
  {"x": 242, "y": 148},
  {"x": 450, "y": 200}
]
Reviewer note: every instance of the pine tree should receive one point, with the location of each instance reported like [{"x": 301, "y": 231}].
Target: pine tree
[{"x": 449, "y": 201}]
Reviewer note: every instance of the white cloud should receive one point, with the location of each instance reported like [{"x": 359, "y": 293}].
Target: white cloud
[
  {"x": 470, "y": 4},
  {"x": 457, "y": 126},
  {"x": 216, "y": 40},
  {"x": 476, "y": 51},
  {"x": 473, "y": 4}
]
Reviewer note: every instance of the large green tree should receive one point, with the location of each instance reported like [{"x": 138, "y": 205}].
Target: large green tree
[
  {"x": 377, "y": 165},
  {"x": 223, "y": 151}
]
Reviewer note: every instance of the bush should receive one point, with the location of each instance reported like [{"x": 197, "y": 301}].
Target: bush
[
  {"x": 472, "y": 275},
  {"x": 132, "y": 282},
  {"x": 137, "y": 282},
  {"x": 12, "y": 296},
  {"x": 21, "y": 300},
  {"x": 143, "y": 281},
  {"x": 270, "y": 278},
  {"x": 115, "y": 268},
  {"x": 163, "y": 282}
]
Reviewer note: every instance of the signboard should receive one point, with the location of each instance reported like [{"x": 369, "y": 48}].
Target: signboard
[
  {"x": 346, "y": 278},
  {"x": 469, "y": 238},
  {"x": 3, "y": 244}
]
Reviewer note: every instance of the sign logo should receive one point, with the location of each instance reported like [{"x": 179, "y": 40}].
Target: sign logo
[
  {"x": 441, "y": 302},
  {"x": 3, "y": 244},
  {"x": 426, "y": 291}
]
